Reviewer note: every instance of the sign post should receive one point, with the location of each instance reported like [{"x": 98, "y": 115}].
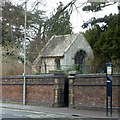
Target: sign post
[{"x": 108, "y": 88}]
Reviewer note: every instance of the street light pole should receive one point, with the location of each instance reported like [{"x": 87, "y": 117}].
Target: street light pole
[{"x": 24, "y": 74}]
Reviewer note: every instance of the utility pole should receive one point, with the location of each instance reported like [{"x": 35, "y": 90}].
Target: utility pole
[{"x": 24, "y": 74}]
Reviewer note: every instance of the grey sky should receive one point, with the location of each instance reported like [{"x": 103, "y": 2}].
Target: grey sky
[{"x": 76, "y": 18}]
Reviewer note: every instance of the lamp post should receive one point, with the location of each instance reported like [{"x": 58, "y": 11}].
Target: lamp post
[{"x": 24, "y": 74}]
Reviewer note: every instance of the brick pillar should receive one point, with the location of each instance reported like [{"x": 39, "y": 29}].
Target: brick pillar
[
  {"x": 71, "y": 88},
  {"x": 56, "y": 92}
]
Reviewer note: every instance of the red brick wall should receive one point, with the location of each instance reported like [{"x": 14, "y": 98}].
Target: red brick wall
[
  {"x": 85, "y": 91},
  {"x": 40, "y": 90},
  {"x": 89, "y": 91},
  {"x": 12, "y": 93},
  {"x": 89, "y": 96},
  {"x": 40, "y": 94}
]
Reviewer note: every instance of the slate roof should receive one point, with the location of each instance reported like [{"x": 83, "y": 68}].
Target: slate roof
[{"x": 58, "y": 45}]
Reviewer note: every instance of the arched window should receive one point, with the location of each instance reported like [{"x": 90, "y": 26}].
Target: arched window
[
  {"x": 79, "y": 59},
  {"x": 57, "y": 63}
]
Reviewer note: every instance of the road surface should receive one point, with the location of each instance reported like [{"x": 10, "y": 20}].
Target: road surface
[
  {"x": 27, "y": 114},
  {"x": 15, "y": 113}
]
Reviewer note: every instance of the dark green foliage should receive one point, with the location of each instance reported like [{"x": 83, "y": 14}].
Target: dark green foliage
[
  {"x": 96, "y": 6},
  {"x": 104, "y": 34},
  {"x": 105, "y": 40},
  {"x": 93, "y": 7},
  {"x": 12, "y": 22},
  {"x": 59, "y": 24}
]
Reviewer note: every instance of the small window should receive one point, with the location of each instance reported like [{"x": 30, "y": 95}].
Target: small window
[{"x": 57, "y": 63}]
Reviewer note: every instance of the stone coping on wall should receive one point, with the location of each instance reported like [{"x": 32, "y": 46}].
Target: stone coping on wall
[
  {"x": 34, "y": 76},
  {"x": 56, "y": 75},
  {"x": 95, "y": 75},
  {"x": 94, "y": 82}
]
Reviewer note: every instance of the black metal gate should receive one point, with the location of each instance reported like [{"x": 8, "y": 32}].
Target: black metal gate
[{"x": 66, "y": 92}]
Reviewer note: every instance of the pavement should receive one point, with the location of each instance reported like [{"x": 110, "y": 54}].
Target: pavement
[{"x": 75, "y": 113}]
